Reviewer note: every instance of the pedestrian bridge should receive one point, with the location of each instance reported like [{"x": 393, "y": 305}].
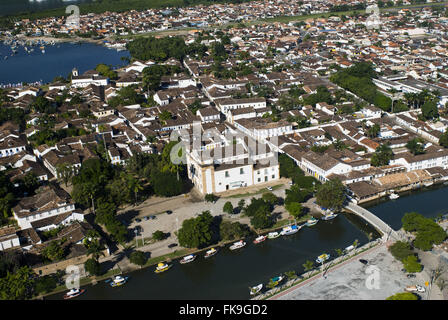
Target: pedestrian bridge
[{"x": 376, "y": 222}]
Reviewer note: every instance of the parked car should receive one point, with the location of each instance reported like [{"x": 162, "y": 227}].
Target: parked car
[
  {"x": 138, "y": 220},
  {"x": 411, "y": 275},
  {"x": 169, "y": 212},
  {"x": 172, "y": 245},
  {"x": 363, "y": 261},
  {"x": 146, "y": 218},
  {"x": 269, "y": 188},
  {"x": 152, "y": 217}
]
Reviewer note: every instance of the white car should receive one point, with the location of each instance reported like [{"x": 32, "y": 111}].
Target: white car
[{"x": 269, "y": 188}]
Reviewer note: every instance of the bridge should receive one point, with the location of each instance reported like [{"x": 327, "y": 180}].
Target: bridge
[{"x": 377, "y": 223}]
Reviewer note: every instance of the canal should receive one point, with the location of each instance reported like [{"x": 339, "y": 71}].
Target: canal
[{"x": 229, "y": 274}]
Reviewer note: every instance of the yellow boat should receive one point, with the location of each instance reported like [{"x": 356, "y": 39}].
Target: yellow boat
[{"x": 161, "y": 267}]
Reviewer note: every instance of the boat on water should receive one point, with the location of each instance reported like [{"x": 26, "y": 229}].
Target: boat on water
[
  {"x": 260, "y": 239},
  {"x": 322, "y": 258},
  {"x": 187, "y": 259},
  {"x": 210, "y": 253},
  {"x": 256, "y": 289},
  {"x": 288, "y": 230},
  {"x": 162, "y": 267},
  {"x": 428, "y": 184},
  {"x": 329, "y": 216},
  {"x": 393, "y": 196},
  {"x": 277, "y": 280},
  {"x": 273, "y": 235},
  {"x": 311, "y": 222},
  {"x": 237, "y": 245},
  {"x": 73, "y": 293},
  {"x": 118, "y": 281},
  {"x": 349, "y": 248}
]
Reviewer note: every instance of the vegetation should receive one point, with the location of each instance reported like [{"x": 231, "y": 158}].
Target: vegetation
[
  {"x": 428, "y": 232},
  {"x": 228, "y": 207},
  {"x": 196, "y": 232},
  {"x": 383, "y": 154},
  {"x": 157, "y": 49},
  {"x": 331, "y": 194},
  {"x": 233, "y": 230},
  {"x": 403, "y": 296},
  {"x": 92, "y": 267},
  {"x": 138, "y": 258},
  {"x": 416, "y": 146},
  {"x": 158, "y": 235}
]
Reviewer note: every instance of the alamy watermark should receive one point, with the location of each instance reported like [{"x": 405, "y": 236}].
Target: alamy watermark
[
  {"x": 374, "y": 20},
  {"x": 373, "y": 278},
  {"x": 73, "y": 21},
  {"x": 73, "y": 277}
]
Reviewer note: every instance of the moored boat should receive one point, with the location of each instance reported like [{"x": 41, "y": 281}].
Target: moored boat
[
  {"x": 322, "y": 258},
  {"x": 277, "y": 280},
  {"x": 428, "y": 184},
  {"x": 237, "y": 245},
  {"x": 260, "y": 239},
  {"x": 273, "y": 235},
  {"x": 162, "y": 267},
  {"x": 288, "y": 230},
  {"x": 254, "y": 290},
  {"x": 311, "y": 222},
  {"x": 210, "y": 253},
  {"x": 187, "y": 259},
  {"x": 74, "y": 293},
  {"x": 329, "y": 216},
  {"x": 118, "y": 281},
  {"x": 393, "y": 196}
]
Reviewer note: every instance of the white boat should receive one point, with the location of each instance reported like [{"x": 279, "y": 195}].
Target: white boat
[
  {"x": 329, "y": 216},
  {"x": 273, "y": 235},
  {"x": 277, "y": 280},
  {"x": 322, "y": 258},
  {"x": 187, "y": 259},
  {"x": 349, "y": 248},
  {"x": 210, "y": 253},
  {"x": 393, "y": 196},
  {"x": 118, "y": 281},
  {"x": 288, "y": 230},
  {"x": 416, "y": 288},
  {"x": 260, "y": 239},
  {"x": 311, "y": 222},
  {"x": 256, "y": 289},
  {"x": 237, "y": 245},
  {"x": 73, "y": 293},
  {"x": 428, "y": 184}
]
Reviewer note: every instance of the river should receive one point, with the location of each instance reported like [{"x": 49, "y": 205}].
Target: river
[
  {"x": 229, "y": 274},
  {"x": 58, "y": 60}
]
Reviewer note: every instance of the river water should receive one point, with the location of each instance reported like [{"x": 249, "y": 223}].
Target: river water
[
  {"x": 229, "y": 274},
  {"x": 58, "y": 60}
]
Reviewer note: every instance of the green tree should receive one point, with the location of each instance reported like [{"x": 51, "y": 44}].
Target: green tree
[
  {"x": 383, "y": 154},
  {"x": 18, "y": 285},
  {"x": 93, "y": 267},
  {"x": 403, "y": 296},
  {"x": 64, "y": 172},
  {"x": 416, "y": 146},
  {"x": 308, "y": 265},
  {"x": 228, "y": 207},
  {"x": 411, "y": 264},
  {"x": 196, "y": 232},
  {"x": 233, "y": 230},
  {"x": 400, "y": 250},
  {"x": 158, "y": 235},
  {"x": 54, "y": 251},
  {"x": 138, "y": 258},
  {"x": 295, "y": 209},
  {"x": 331, "y": 194},
  {"x": 429, "y": 110}
]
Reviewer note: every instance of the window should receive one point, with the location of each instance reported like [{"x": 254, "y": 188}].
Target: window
[
  {"x": 227, "y": 174},
  {"x": 273, "y": 176},
  {"x": 241, "y": 171}
]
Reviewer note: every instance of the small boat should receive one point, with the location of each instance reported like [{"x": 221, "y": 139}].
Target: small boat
[
  {"x": 210, "y": 253},
  {"x": 329, "y": 216},
  {"x": 288, "y": 230},
  {"x": 256, "y": 289},
  {"x": 311, "y": 222},
  {"x": 393, "y": 196},
  {"x": 416, "y": 288},
  {"x": 162, "y": 267},
  {"x": 322, "y": 258},
  {"x": 118, "y": 281},
  {"x": 273, "y": 235},
  {"x": 73, "y": 293},
  {"x": 260, "y": 239},
  {"x": 277, "y": 280},
  {"x": 187, "y": 259},
  {"x": 237, "y": 245},
  {"x": 428, "y": 184},
  {"x": 349, "y": 248}
]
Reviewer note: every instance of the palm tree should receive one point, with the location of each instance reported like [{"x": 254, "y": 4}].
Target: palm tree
[
  {"x": 135, "y": 185},
  {"x": 291, "y": 275},
  {"x": 355, "y": 243},
  {"x": 95, "y": 249},
  {"x": 339, "y": 252},
  {"x": 308, "y": 265}
]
